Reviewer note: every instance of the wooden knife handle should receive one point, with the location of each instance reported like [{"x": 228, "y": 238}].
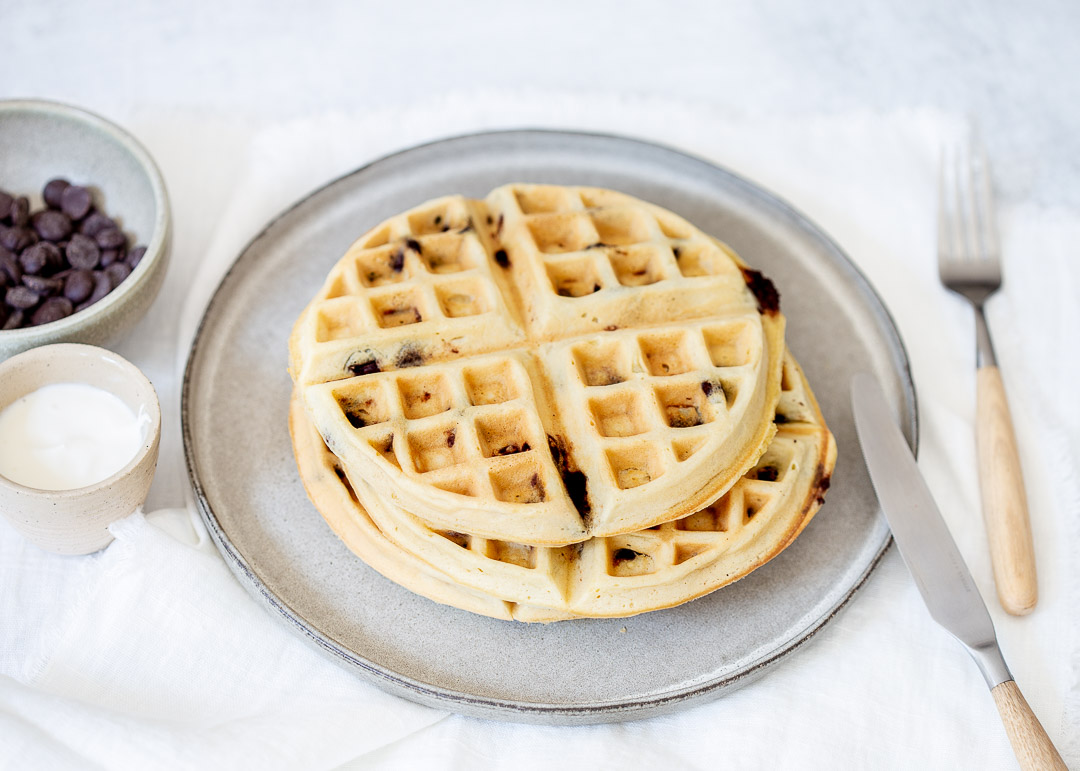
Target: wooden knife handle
[
  {"x": 1003, "y": 498},
  {"x": 1032, "y": 746}
]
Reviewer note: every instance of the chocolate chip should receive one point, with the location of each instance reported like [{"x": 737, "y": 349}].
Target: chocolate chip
[
  {"x": 764, "y": 291},
  {"x": 135, "y": 257},
  {"x": 21, "y": 297},
  {"x": 16, "y": 238},
  {"x": 78, "y": 285},
  {"x": 412, "y": 243},
  {"x": 513, "y": 449},
  {"x": 83, "y": 252},
  {"x": 461, "y": 539},
  {"x": 409, "y": 357},
  {"x": 95, "y": 223},
  {"x": 42, "y": 257},
  {"x": 713, "y": 391},
  {"x": 407, "y": 315},
  {"x": 356, "y": 420},
  {"x": 117, "y": 272},
  {"x": 102, "y": 286},
  {"x": 366, "y": 367},
  {"x": 767, "y": 473},
  {"x": 502, "y": 259},
  {"x": 111, "y": 238},
  {"x": 9, "y": 265},
  {"x": 625, "y": 555},
  {"x": 824, "y": 480},
  {"x": 75, "y": 202},
  {"x": 55, "y": 256},
  {"x": 27, "y": 237},
  {"x": 451, "y": 437},
  {"x": 43, "y": 285},
  {"x": 574, "y": 480},
  {"x": 53, "y": 191},
  {"x": 397, "y": 260},
  {"x": 20, "y": 211},
  {"x": 53, "y": 309},
  {"x": 109, "y": 256},
  {"x": 15, "y": 319},
  {"x": 52, "y": 225}
]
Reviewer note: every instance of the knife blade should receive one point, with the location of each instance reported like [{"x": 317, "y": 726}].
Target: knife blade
[
  {"x": 920, "y": 533},
  {"x": 939, "y": 571}
]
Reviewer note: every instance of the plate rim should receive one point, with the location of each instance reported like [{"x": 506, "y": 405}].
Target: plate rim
[{"x": 510, "y": 709}]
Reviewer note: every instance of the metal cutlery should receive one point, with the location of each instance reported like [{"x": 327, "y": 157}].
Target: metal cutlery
[
  {"x": 939, "y": 571},
  {"x": 969, "y": 263}
]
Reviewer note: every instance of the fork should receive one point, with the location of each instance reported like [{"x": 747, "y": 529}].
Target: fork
[{"x": 969, "y": 263}]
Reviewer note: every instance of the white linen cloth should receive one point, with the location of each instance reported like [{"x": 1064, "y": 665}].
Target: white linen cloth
[{"x": 150, "y": 655}]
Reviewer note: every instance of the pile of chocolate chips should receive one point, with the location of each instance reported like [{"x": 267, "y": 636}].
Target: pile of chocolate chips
[{"x": 59, "y": 260}]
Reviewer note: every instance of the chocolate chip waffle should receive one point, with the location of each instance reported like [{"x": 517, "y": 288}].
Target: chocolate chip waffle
[
  {"x": 543, "y": 366},
  {"x": 621, "y": 575}
]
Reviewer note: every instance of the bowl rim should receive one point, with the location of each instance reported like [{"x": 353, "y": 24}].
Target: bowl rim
[
  {"x": 154, "y": 247},
  {"x": 47, "y": 353}
]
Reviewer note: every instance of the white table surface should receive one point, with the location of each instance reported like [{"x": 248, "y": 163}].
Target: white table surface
[{"x": 196, "y": 84}]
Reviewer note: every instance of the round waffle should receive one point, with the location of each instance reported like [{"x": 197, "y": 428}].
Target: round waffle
[
  {"x": 612, "y": 576},
  {"x": 329, "y": 489},
  {"x": 542, "y": 366}
]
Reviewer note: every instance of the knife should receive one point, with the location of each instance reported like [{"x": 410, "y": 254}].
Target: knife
[{"x": 939, "y": 571}]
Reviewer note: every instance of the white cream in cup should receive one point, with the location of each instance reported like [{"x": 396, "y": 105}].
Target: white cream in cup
[
  {"x": 97, "y": 456},
  {"x": 68, "y": 435}
]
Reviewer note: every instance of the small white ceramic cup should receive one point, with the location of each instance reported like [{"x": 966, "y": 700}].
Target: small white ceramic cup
[{"x": 76, "y": 521}]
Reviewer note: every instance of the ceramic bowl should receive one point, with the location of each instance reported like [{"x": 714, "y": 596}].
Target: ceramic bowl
[
  {"x": 43, "y": 140},
  {"x": 76, "y": 521}
]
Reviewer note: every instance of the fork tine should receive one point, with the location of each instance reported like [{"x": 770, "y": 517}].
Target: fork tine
[
  {"x": 988, "y": 237},
  {"x": 950, "y": 217},
  {"x": 956, "y": 214},
  {"x": 965, "y": 191}
]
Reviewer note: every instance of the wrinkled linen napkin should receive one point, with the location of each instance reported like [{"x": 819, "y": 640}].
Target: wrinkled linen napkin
[{"x": 150, "y": 655}]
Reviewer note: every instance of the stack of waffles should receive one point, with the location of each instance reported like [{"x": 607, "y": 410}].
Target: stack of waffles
[{"x": 555, "y": 402}]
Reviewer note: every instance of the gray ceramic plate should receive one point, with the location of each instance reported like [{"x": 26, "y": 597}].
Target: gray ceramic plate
[{"x": 236, "y": 394}]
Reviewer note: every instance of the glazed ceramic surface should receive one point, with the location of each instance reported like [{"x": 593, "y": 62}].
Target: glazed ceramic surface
[
  {"x": 43, "y": 140},
  {"x": 76, "y": 521},
  {"x": 236, "y": 396}
]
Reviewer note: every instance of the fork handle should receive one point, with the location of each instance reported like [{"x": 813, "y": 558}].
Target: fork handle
[
  {"x": 1004, "y": 501},
  {"x": 1033, "y": 748}
]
